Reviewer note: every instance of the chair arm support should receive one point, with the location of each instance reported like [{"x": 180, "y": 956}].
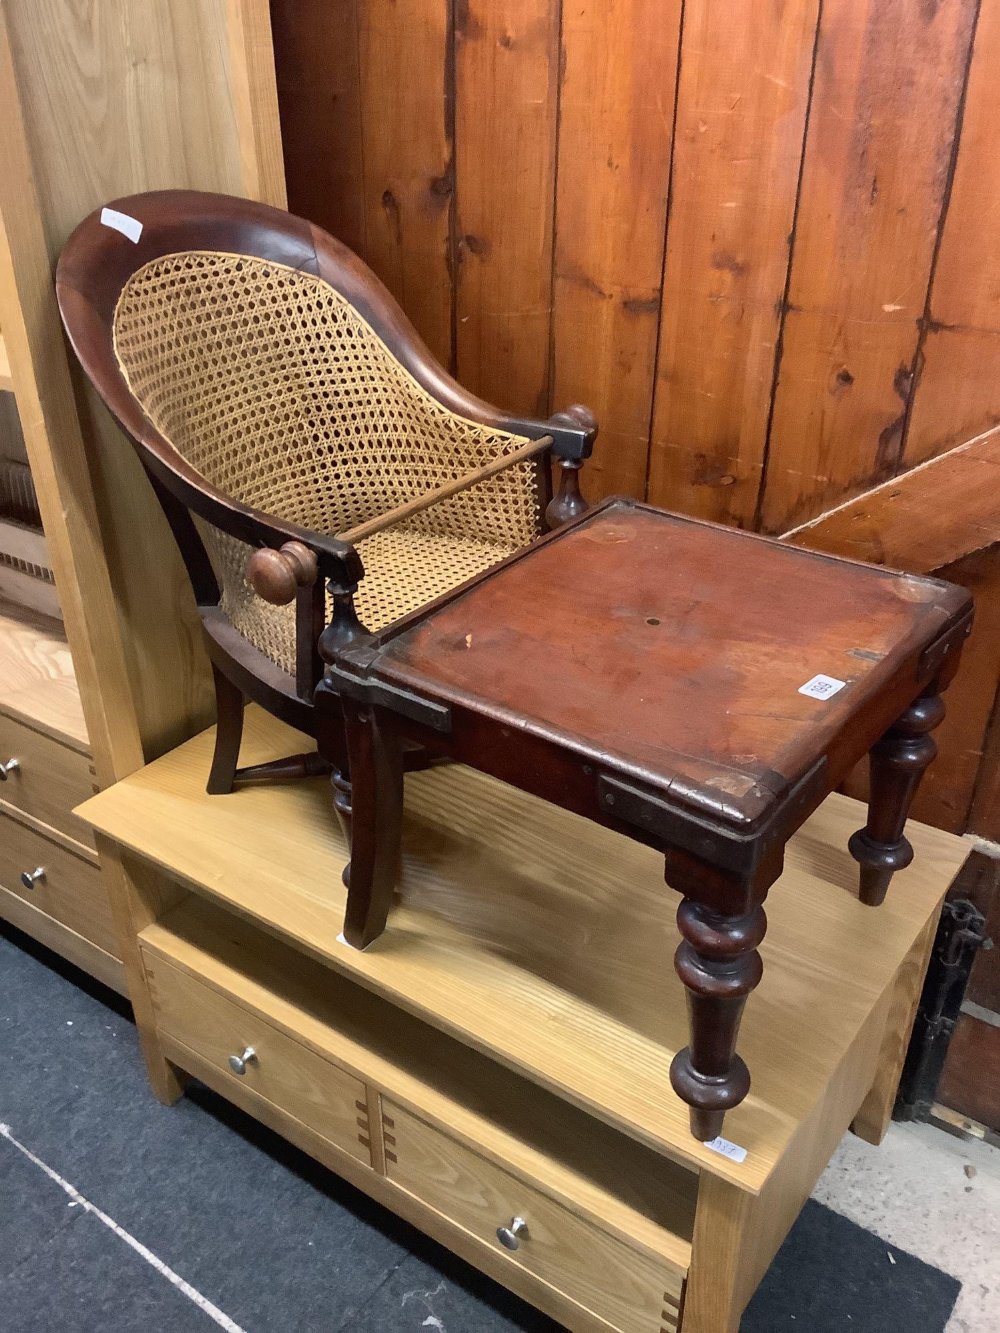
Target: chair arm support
[
  {"x": 573, "y": 431},
  {"x": 530, "y": 449}
]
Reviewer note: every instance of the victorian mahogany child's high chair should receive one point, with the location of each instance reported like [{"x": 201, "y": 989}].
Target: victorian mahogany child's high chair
[{"x": 321, "y": 473}]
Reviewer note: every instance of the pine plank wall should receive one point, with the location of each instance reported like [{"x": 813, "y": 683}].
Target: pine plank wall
[{"x": 759, "y": 238}]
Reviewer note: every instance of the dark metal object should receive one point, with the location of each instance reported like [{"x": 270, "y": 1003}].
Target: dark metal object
[{"x": 961, "y": 934}]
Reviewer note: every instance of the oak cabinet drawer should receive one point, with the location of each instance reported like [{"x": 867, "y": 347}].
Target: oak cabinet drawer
[
  {"x": 69, "y": 889},
  {"x": 49, "y": 778},
  {"x": 632, "y": 1291},
  {"x": 320, "y": 1094}
]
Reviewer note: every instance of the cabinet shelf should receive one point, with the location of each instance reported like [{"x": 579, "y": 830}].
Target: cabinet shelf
[
  {"x": 37, "y": 683},
  {"x": 545, "y": 941},
  {"x": 615, "y": 1182}
]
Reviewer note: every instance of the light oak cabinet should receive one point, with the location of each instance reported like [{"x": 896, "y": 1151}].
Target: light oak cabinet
[
  {"x": 500, "y": 1086},
  {"x": 97, "y": 101}
]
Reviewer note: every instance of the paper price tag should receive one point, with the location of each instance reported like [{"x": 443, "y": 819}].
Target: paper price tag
[
  {"x": 128, "y": 226},
  {"x": 731, "y": 1150},
  {"x": 822, "y": 687}
]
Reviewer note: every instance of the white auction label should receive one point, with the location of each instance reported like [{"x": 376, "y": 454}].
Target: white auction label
[
  {"x": 822, "y": 687},
  {"x": 731, "y": 1150},
  {"x": 128, "y": 226}
]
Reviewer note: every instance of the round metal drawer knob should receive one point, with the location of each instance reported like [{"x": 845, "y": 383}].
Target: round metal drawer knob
[
  {"x": 238, "y": 1063},
  {"x": 509, "y": 1236},
  {"x": 11, "y": 766},
  {"x": 29, "y": 878}
]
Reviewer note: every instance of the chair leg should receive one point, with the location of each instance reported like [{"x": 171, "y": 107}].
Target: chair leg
[
  {"x": 342, "y": 804},
  {"x": 228, "y": 734},
  {"x": 897, "y": 763},
  {"x": 376, "y": 801}
]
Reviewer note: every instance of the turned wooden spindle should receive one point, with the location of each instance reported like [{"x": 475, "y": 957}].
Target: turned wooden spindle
[
  {"x": 897, "y": 763},
  {"x": 718, "y": 962},
  {"x": 277, "y": 575},
  {"x": 344, "y": 628},
  {"x": 568, "y": 501}
]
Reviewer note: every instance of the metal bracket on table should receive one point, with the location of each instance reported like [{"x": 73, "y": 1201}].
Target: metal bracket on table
[
  {"x": 414, "y": 706},
  {"x": 723, "y": 847}
]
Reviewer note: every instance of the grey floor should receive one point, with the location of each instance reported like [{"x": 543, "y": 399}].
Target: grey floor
[{"x": 116, "y": 1212}]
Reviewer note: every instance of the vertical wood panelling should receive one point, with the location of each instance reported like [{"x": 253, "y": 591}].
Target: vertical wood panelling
[
  {"x": 946, "y": 793},
  {"x": 889, "y": 75},
  {"x": 744, "y": 88},
  {"x": 319, "y": 92},
  {"x": 506, "y": 76},
  {"x": 506, "y": 169},
  {"x": 945, "y": 796},
  {"x": 959, "y": 371},
  {"x": 616, "y": 109},
  {"x": 406, "y": 151}
]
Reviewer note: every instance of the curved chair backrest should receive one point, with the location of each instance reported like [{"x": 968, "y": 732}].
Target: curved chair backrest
[{"x": 276, "y": 392}]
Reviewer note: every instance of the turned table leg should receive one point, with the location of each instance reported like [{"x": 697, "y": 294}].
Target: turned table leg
[
  {"x": 718, "y": 962},
  {"x": 898, "y": 761}
]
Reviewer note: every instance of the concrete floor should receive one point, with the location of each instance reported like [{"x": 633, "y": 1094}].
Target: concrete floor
[{"x": 937, "y": 1197}]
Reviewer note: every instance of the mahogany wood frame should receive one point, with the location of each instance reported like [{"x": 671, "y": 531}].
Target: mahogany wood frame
[
  {"x": 723, "y": 869},
  {"x": 291, "y": 561}
]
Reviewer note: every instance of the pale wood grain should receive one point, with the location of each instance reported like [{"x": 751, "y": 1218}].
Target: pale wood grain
[
  {"x": 313, "y": 1090},
  {"x": 138, "y": 896},
  {"x": 616, "y": 1183},
  {"x": 487, "y": 1258},
  {"x": 875, "y": 1112},
  {"x": 71, "y": 892},
  {"x": 100, "y": 102},
  {"x": 510, "y": 906},
  {"x": 63, "y": 941},
  {"x": 601, "y": 1274},
  {"x": 6, "y": 378},
  {"x": 737, "y": 1235},
  {"x": 97, "y": 102},
  {"x": 55, "y": 446},
  {"x": 255, "y": 100},
  {"x": 713, "y": 1299},
  {"x": 37, "y": 680},
  {"x": 50, "y": 779}
]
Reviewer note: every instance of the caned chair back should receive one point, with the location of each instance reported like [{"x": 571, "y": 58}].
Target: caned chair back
[{"x": 275, "y": 391}]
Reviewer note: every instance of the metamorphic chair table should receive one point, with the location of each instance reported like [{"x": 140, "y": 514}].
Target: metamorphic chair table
[
  {"x": 493, "y": 1068},
  {"x": 699, "y": 689}
]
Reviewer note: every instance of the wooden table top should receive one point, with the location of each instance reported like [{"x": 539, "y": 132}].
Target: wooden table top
[{"x": 676, "y": 650}]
